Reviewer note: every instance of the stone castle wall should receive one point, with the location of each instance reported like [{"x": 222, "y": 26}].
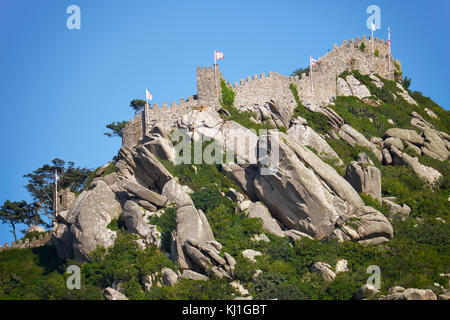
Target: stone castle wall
[
  {"x": 259, "y": 89},
  {"x": 41, "y": 240}
]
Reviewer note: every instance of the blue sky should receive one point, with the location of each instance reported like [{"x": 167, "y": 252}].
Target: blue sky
[{"x": 60, "y": 87}]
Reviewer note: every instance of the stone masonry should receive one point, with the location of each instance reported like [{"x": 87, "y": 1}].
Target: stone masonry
[{"x": 257, "y": 90}]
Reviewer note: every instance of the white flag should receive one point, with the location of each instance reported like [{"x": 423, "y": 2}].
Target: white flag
[
  {"x": 374, "y": 28},
  {"x": 56, "y": 176},
  {"x": 313, "y": 61}
]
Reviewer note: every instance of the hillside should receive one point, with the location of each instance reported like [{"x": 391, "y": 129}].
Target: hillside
[{"x": 295, "y": 186}]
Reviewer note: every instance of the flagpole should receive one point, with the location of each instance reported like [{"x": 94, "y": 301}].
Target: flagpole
[
  {"x": 215, "y": 77},
  {"x": 56, "y": 192},
  {"x": 311, "y": 75},
  {"x": 389, "y": 52},
  {"x": 373, "y": 40}
]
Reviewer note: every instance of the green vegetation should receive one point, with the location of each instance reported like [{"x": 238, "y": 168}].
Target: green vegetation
[
  {"x": 376, "y": 53},
  {"x": 317, "y": 121},
  {"x": 244, "y": 117},
  {"x": 167, "y": 223},
  {"x": 116, "y": 129},
  {"x": 362, "y": 47},
  {"x": 298, "y": 72}
]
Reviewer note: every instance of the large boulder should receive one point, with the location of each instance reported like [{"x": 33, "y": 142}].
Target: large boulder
[
  {"x": 260, "y": 211},
  {"x": 158, "y": 143},
  {"x": 358, "y": 89},
  {"x": 305, "y": 193},
  {"x": 135, "y": 222},
  {"x": 353, "y": 137},
  {"x": 143, "y": 193},
  {"x": 367, "y": 225},
  {"x": 190, "y": 223},
  {"x": 325, "y": 270},
  {"x": 411, "y": 294},
  {"x": 405, "y": 134},
  {"x": 87, "y": 222},
  {"x": 426, "y": 173},
  {"x": 364, "y": 178},
  {"x": 283, "y": 112},
  {"x": 306, "y": 136}
]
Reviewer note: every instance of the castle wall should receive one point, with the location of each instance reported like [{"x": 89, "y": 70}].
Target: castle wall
[
  {"x": 259, "y": 89},
  {"x": 39, "y": 241}
]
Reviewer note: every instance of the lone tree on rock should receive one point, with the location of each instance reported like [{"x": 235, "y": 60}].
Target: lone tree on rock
[
  {"x": 116, "y": 129},
  {"x": 137, "y": 105}
]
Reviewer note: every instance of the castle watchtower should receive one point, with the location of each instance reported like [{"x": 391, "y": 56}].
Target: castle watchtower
[{"x": 208, "y": 86}]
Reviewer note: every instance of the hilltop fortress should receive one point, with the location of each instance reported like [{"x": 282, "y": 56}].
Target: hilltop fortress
[{"x": 257, "y": 90}]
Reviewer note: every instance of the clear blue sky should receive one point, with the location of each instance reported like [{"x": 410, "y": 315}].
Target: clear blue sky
[{"x": 60, "y": 87}]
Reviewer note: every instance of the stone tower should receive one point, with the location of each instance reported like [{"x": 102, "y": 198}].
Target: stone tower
[{"x": 208, "y": 86}]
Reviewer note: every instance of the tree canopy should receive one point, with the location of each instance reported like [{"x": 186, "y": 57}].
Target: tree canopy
[
  {"x": 41, "y": 183},
  {"x": 116, "y": 129},
  {"x": 137, "y": 104}
]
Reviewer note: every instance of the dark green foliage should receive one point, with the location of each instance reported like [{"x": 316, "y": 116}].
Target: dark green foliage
[
  {"x": 406, "y": 82},
  {"x": 137, "y": 104},
  {"x": 228, "y": 95},
  {"x": 41, "y": 183},
  {"x": 37, "y": 274},
  {"x": 117, "y": 224},
  {"x": 376, "y": 53},
  {"x": 362, "y": 47},
  {"x": 167, "y": 223},
  {"x": 124, "y": 262},
  {"x": 404, "y": 184},
  {"x": 298, "y": 72},
  {"x": 274, "y": 286},
  {"x": 116, "y": 129},
  {"x": 15, "y": 213}
]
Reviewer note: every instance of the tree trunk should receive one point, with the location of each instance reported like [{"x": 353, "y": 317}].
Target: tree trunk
[{"x": 14, "y": 232}]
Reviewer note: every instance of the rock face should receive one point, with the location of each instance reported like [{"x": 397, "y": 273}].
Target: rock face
[
  {"x": 366, "y": 291},
  {"x": 325, "y": 270},
  {"x": 86, "y": 223},
  {"x": 367, "y": 226},
  {"x": 111, "y": 294},
  {"x": 251, "y": 254},
  {"x": 364, "y": 177},
  {"x": 193, "y": 243},
  {"x": 411, "y": 294},
  {"x": 258, "y": 210},
  {"x": 308, "y": 195},
  {"x": 133, "y": 215},
  {"x": 358, "y": 90},
  {"x": 170, "y": 278},
  {"x": 353, "y": 137},
  {"x": 306, "y": 136},
  {"x": 159, "y": 144},
  {"x": 405, "y": 134},
  {"x": 429, "y": 174}
]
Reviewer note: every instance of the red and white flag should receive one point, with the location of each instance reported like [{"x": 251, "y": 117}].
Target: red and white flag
[
  {"x": 148, "y": 95},
  {"x": 389, "y": 37},
  {"x": 218, "y": 55},
  {"x": 313, "y": 62}
]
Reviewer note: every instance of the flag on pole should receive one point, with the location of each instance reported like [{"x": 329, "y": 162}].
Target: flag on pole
[
  {"x": 56, "y": 176},
  {"x": 313, "y": 62},
  {"x": 389, "y": 37},
  {"x": 148, "y": 95},
  {"x": 374, "y": 28},
  {"x": 218, "y": 55}
]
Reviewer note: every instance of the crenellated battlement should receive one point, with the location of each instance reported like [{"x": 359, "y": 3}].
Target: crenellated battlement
[
  {"x": 258, "y": 89},
  {"x": 39, "y": 241}
]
